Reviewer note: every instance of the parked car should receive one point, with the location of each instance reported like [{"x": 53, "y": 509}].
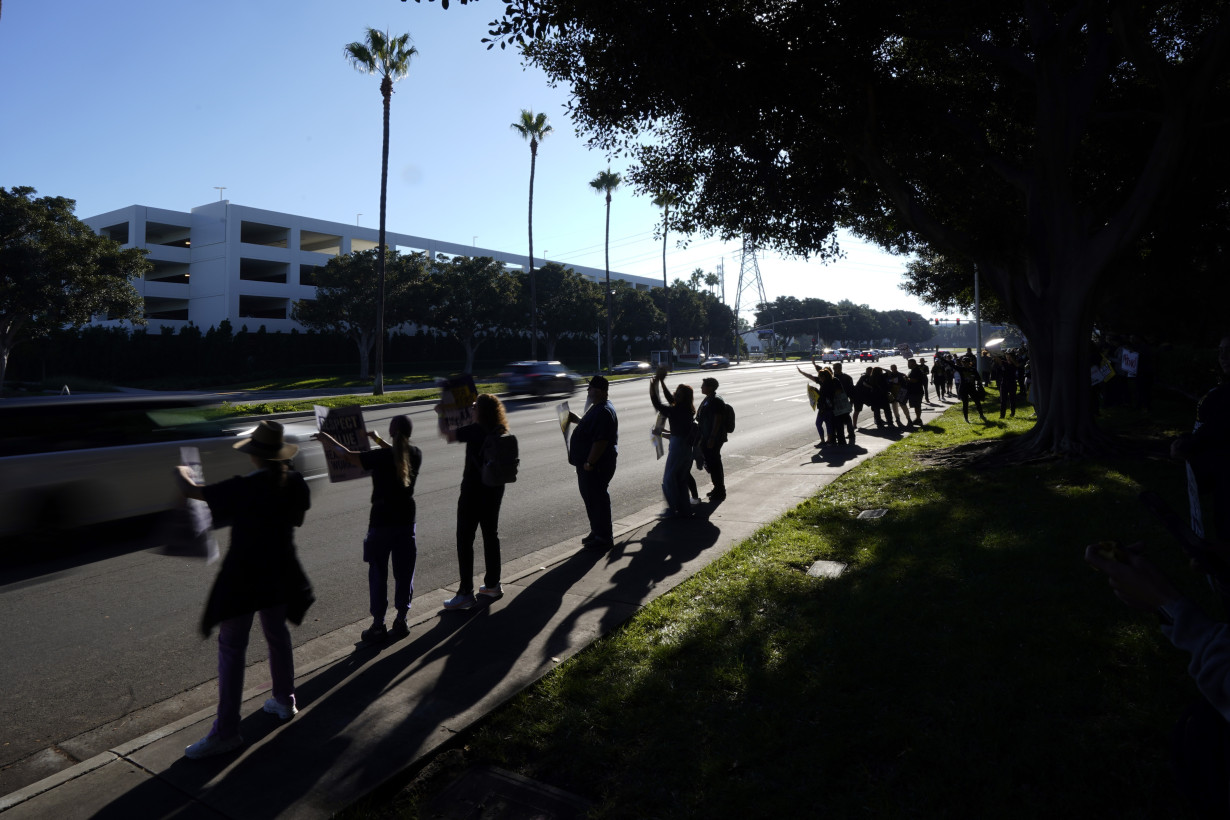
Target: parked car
[
  {"x": 540, "y": 378},
  {"x": 68, "y": 462},
  {"x": 715, "y": 361},
  {"x": 632, "y": 367}
]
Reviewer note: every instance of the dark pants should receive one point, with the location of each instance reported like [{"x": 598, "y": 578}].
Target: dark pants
[
  {"x": 594, "y": 486},
  {"x": 843, "y": 424},
  {"x": 478, "y": 507},
  {"x": 1201, "y": 772},
  {"x": 382, "y": 546},
  {"x": 1007, "y": 398},
  {"x": 713, "y": 463}
]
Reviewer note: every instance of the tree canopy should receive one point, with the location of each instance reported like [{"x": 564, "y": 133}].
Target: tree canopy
[
  {"x": 1033, "y": 139},
  {"x": 347, "y": 298},
  {"x": 56, "y": 272}
]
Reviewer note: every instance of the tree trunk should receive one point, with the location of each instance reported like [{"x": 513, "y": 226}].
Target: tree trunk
[
  {"x": 386, "y": 90},
  {"x": 609, "y": 306},
  {"x": 533, "y": 288}
]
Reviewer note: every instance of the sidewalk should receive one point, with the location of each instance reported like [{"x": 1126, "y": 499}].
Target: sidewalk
[{"x": 368, "y": 714}]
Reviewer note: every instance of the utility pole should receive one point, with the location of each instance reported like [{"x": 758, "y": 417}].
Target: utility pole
[{"x": 749, "y": 279}]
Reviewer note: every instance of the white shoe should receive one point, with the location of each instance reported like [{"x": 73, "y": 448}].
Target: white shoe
[
  {"x": 211, "y": 745},
  {"x": 282, "y": 710}
]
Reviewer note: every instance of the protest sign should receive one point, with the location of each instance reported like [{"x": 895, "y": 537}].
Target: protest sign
[
  {"x": 188, "y": 529},
  {"x": 565, "y": 422},
  {"x": 456, "y": 407},
  {"x": 346, "y": 425}
]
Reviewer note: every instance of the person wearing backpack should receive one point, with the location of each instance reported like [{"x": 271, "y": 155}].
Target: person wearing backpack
[
  {"x": 478, "y": 506},
  {"x": 593, "y": 449},
  {"x": 712, "y": 418},
  {"x": 390, "y": 525},
  {"x": 681, "y": 416}
]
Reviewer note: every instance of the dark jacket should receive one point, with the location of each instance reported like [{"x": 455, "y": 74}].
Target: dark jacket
[{"x": 261, "y": 569}]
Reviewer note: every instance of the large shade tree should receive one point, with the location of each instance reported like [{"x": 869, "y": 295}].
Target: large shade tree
[
  {"x": 56, "y": 272},
  {"x": 605, "y": 183},
  {"x": 348, "y": 298},
  {"x": 471, "y": 299},
  {"x": 388, "y": 58},
  {"x": 1034, "y": 139},
  {"x": 571, "y": 304},
  {"x": 534, "y": 128}
]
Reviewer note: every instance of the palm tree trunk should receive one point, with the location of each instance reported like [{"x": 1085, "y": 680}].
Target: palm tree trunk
[
  {"x": 609, "y": 307},
  {"x": 386, "y": 89},
  {"x": 533, "y": 289}
]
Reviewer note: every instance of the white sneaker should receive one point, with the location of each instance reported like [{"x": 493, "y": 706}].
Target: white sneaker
[
  {"x": 462, "y": 600},
  {"x": 285, "y": 711},
  {"x": 211, "y": 745},
  {"x": 494, "y": 593}
]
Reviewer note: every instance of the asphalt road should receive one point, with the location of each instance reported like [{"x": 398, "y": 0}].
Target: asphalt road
[{"x": 88, "y": 642}]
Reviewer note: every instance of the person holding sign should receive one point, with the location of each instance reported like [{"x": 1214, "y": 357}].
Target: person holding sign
[
  {"x": 680, "y": 414},
  {"x": 593, "y": 450},
  {"x": 260, "y": 573},
  {"x": 479, "y": 504},
  {"x": 390, "y": 525}
]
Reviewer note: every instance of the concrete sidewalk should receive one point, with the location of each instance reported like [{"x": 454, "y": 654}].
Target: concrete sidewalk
[{"x": 367, "y": 714}]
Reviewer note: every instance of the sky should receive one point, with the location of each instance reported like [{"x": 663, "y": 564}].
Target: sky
[{"x": 161, "y": 102}]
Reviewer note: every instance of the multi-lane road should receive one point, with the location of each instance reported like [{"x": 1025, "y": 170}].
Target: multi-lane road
[{"x": 99, "y": 640}]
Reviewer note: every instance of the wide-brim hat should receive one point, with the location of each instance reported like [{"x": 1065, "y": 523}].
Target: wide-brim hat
[{"x": 266, "y": 442}]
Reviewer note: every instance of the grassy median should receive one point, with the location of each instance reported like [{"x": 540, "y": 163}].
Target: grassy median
[{"x": 967, "y": 663}]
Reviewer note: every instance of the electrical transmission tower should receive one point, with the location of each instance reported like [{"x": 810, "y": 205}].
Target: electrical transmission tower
[{"x": 749, "y": 279}]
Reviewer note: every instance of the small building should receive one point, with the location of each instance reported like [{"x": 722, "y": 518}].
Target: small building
[{"x": 248, "y": 265}]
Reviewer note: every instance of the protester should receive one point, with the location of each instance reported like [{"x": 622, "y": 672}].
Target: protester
[
  {"x": 1207, "y": 451},
  {"x": 390, "y": 536},
  {"x": 260, "y": 574},
  {"x": 711, "y": 417},
  {"x": 594, "y": 450},
  {"x": 1007, "y": 384},
  {"x": 1202, "y": 736},
  {"x": 478, "y": 506},
  {"x": 824, "y": 405},
  {"x": 896, "y": 393},
  {"x": 969, "y": 388},
  {"x": 680, "y": 416},
  {"x": 915, "y": 382}
]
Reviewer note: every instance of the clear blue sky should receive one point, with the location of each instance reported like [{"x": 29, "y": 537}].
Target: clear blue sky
[{"x": 156, "y": 102}]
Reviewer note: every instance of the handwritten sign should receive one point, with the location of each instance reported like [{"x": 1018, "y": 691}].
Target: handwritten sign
[{"x": 346, "y": 425}]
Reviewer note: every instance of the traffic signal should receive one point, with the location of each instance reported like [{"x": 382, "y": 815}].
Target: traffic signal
[
  {"x": 909, "y": 320},
  {"x": 937, "y": 321},
  {"x": 958, "y": 321}
]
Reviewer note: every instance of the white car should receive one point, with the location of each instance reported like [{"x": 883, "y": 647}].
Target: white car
[
  {"x": 70, "y": 462},
  {"x": 832, "y": 356}
]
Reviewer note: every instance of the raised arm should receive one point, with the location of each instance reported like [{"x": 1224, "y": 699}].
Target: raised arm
[
  {"x": 807, "y": 375},
  {"x": 340, "y": 450},
  {"x": 653, "y": 396}
]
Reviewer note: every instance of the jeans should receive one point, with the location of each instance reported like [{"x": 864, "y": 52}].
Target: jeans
[
  {"x": 713, "y": 463},
  {"x": 382, "y": 545},
  {"x": 478, "y": 507},
  {"x": 594, "y": 486},
  {"x": 232, "y": 650},
  {"x": 674, "y": 476}
]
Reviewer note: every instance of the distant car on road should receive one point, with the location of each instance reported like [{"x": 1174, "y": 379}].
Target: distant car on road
[
  {"x": 70, "y": 462},
  {"x": 831, "y": 356},
  {"x": 869, "y": 355},
  {"x": 624, "y": 368},
  {"x": 715, "y": 361},
  {"x": 540, "y": 378}
]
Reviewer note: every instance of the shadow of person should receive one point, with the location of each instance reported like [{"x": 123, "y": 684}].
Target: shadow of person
[{"x": 661, "y": 553}]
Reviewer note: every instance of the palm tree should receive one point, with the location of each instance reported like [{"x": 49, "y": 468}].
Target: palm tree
[
  {"x": 535, "y": 129},
  {"x": 605, "y": 182},
  {"x": 665, "y": 201},
  {"x": 388, "y": 57}
]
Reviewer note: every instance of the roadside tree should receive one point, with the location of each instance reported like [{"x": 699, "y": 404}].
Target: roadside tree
[
  {"x": 533, "y": 127},
  {"x": 55, "y": 271},
  {"x": 388, "y": 58},
  {"x": 347, "y": 298},
  {"x": 605, "y": 183},
  {"x": 471, "y": 299},
  {"x": 571, "y": 304},
  {"x": 1034, "y": 139}
]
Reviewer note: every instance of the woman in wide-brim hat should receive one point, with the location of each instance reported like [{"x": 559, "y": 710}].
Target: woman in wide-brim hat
[{"x": 260, "y": 574}]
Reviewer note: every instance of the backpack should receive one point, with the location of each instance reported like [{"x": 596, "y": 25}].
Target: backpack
[
  {"x": 500, "y": 459},
  {"x": 841, "y": 404},
  {"x": 728, "y": 417}
]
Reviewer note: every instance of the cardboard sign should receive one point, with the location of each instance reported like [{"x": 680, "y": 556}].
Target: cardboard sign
[
  {"x": 565, "y": 422},
  {"x": 189, "y": 525},
  {"x": 346, "y": 425},
  {"x": 456, "y": 407},
  {"x": 1129, "y": 361}
]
